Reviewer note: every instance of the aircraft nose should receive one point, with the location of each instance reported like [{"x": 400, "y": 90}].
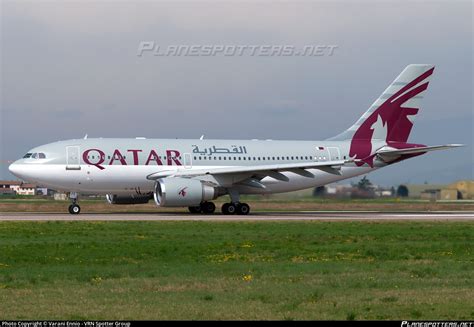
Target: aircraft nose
[{"x": 15, "y": 169}]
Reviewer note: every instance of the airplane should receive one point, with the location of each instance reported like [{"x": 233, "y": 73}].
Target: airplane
[{"x": 193, "y": 172}]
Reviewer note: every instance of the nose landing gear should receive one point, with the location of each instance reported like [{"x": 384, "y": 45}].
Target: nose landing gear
[{"x": 74, "y": 208}]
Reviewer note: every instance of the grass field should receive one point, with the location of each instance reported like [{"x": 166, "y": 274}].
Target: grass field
[{"x": 230, "y": 270}]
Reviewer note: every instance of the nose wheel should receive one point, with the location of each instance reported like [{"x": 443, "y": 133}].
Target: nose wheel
[{"x": 74, "y": 208}]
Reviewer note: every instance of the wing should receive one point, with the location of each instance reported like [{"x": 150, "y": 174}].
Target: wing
[{"x": 332, "y": 167}]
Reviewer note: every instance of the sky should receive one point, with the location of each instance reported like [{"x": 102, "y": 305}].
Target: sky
[{"x": 70, "y": 68}]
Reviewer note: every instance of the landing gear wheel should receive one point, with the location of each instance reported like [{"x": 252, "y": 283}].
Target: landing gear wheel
[
  {"x": 243, "y": 209},
  {"x": 196, "y": 209},
  {"x": 74, "y": 209},
  {"x": 208, "y": 207},
  {"x": 229, "y": 208},
  {"x": 224, "y": 208}
]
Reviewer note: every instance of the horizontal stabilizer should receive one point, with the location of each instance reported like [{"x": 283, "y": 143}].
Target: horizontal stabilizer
[{"x": 389, "y": 153}]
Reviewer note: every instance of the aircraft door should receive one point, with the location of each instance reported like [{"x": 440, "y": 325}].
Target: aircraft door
[
  {"x": 334, "y": 153},
  {"x": 188, "y": 163},
  {"x": 73, "y": 158}
]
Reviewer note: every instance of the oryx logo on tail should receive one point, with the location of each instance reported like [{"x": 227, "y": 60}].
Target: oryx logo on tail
[{"x": 390, "y": 118}]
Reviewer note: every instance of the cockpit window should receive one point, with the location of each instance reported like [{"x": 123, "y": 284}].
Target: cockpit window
[{"x": 36, "y": 155}]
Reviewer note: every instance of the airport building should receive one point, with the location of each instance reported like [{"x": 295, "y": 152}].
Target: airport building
[
  {"x": 460, "y": 190},
  {"x": 466, "y": 188},
  {"x": 17, "y": 187}
]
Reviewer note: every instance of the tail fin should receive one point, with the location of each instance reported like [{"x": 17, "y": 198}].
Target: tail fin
[{"x": 390, "y": 118}]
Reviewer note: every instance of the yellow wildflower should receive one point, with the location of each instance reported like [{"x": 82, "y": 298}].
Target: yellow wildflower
[{"x": 247, "y": 278}]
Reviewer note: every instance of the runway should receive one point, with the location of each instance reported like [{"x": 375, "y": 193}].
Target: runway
[{"x": 259, "y": 216}]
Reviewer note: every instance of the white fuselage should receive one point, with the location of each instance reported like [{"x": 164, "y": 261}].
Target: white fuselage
[{"x": 121, "y": 166}]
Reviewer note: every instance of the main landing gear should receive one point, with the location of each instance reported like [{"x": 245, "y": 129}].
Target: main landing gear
[
  {"x": 235, "y": 208},
  {"x": 74, "y": 208},
  {"x": 231, "y": 208},
  {"x": 204, "y": 207}
]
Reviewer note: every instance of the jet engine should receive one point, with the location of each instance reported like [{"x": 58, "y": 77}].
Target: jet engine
[
  {"x": 128, "y": 199},
  {"x": 182, "y": 192}
]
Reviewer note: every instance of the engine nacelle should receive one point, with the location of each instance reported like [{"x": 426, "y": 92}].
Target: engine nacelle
[
  {"x": 128, "y": 199},
  {"x": 182, "y": 192}
]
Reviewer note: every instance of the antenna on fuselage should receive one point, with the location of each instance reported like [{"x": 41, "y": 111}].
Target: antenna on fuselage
[
  {"x": 202, "y": 137},
  {"x": 85, "y": 137}
]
